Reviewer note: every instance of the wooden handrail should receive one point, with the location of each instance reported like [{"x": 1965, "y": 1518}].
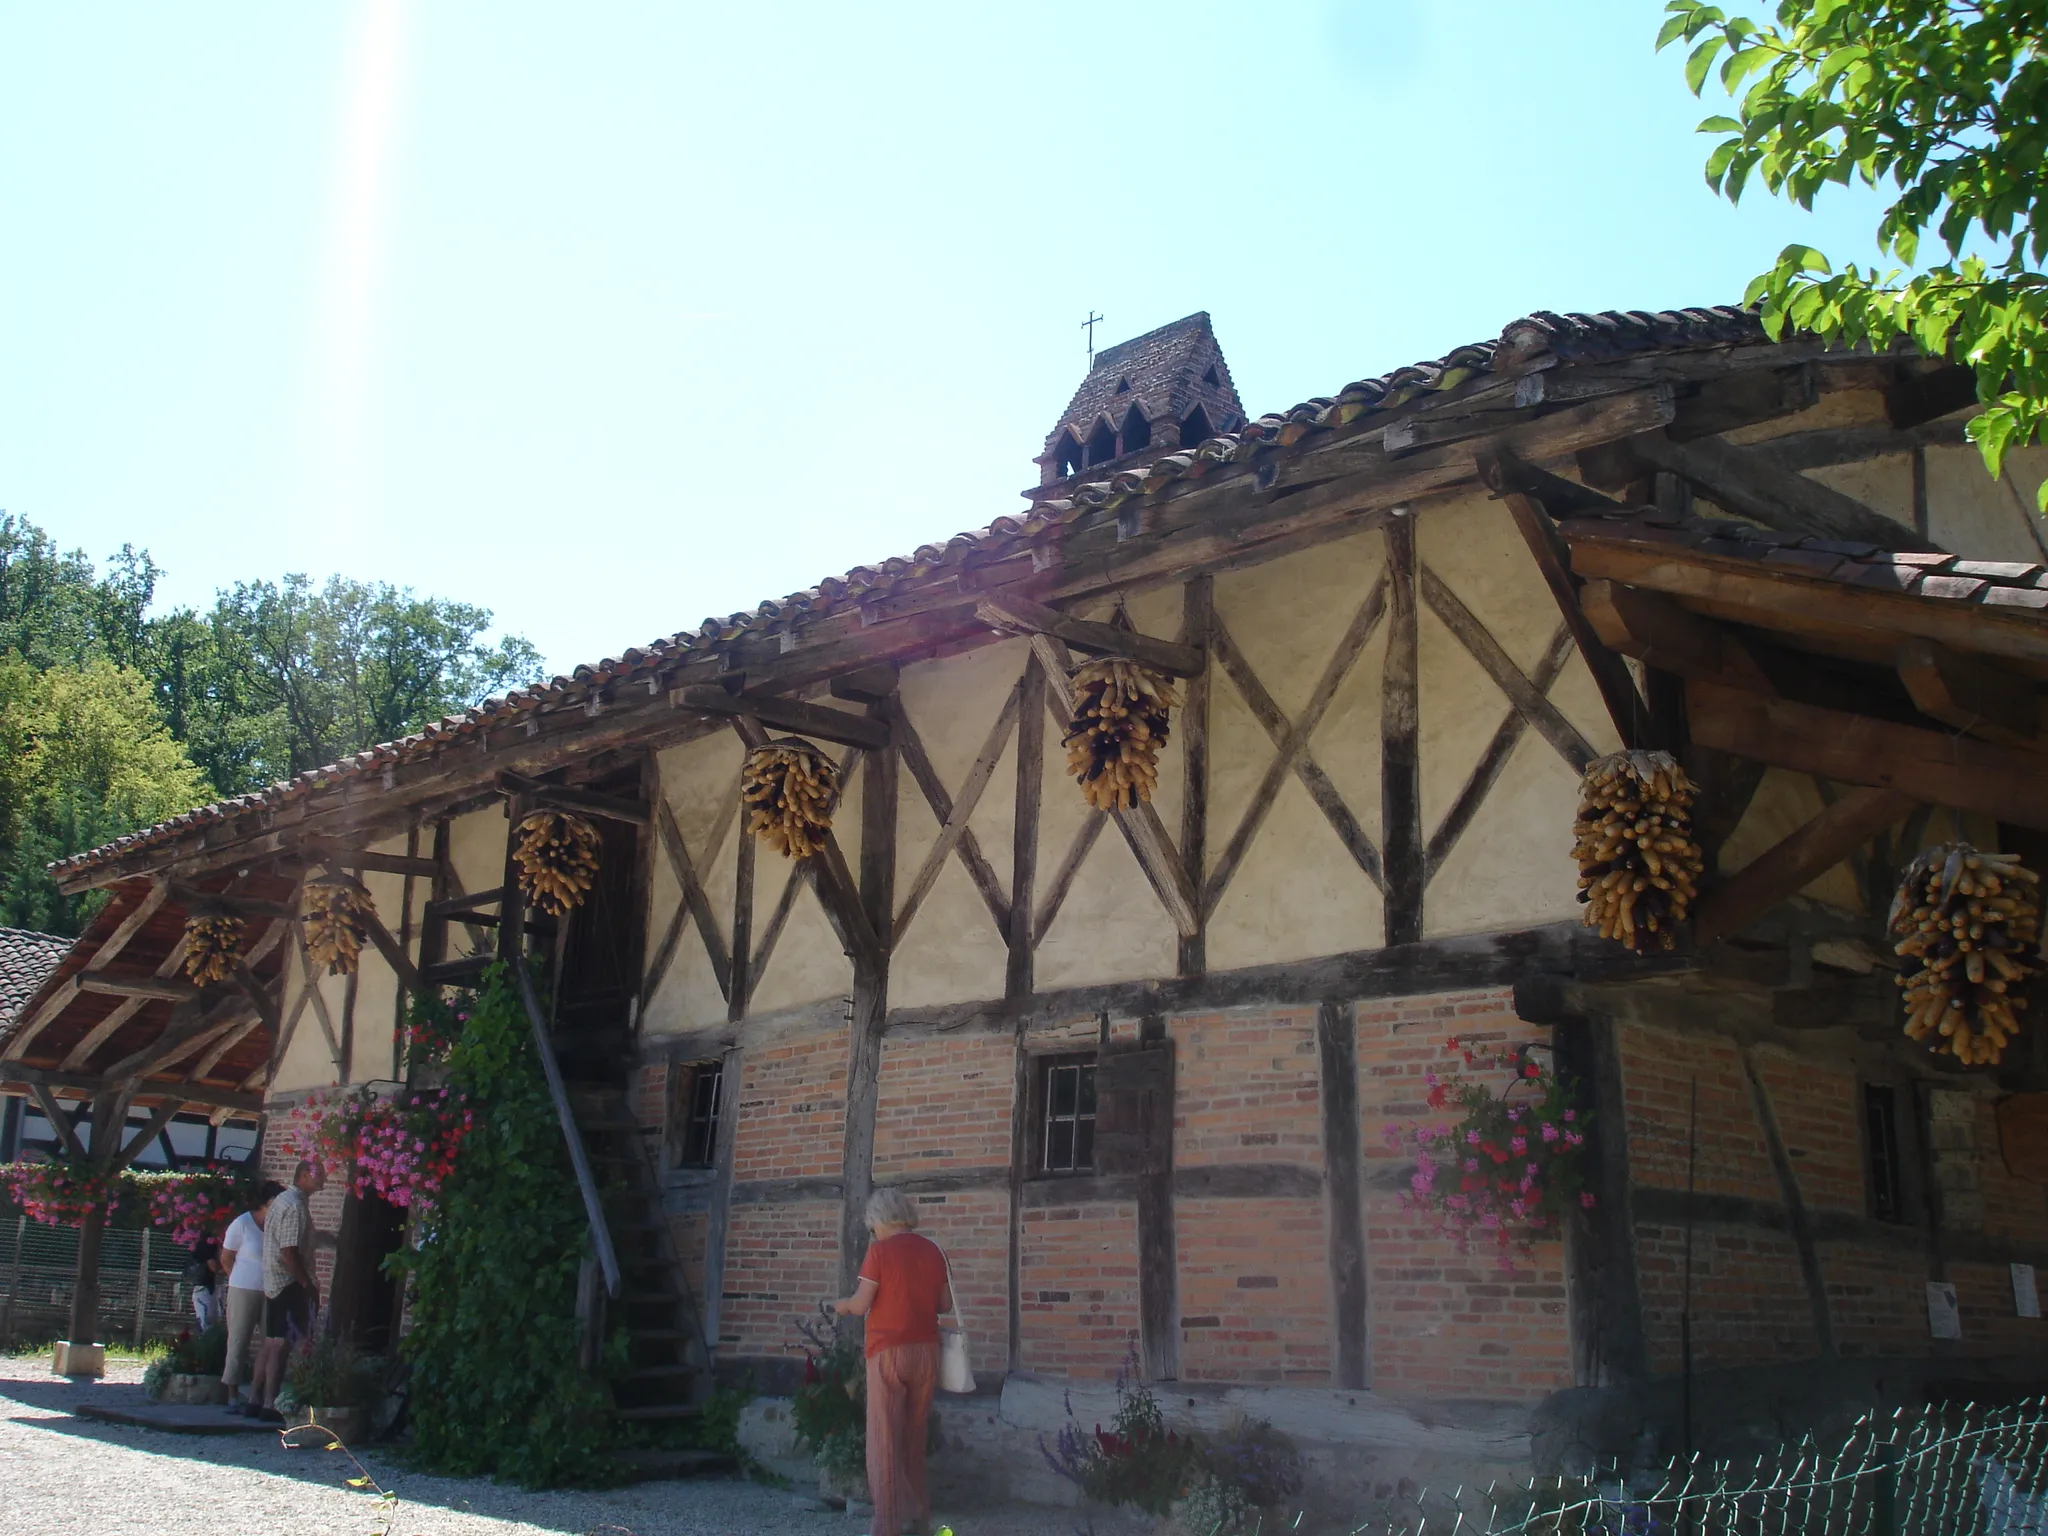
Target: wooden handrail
[{"x": 600, "y": 1231}]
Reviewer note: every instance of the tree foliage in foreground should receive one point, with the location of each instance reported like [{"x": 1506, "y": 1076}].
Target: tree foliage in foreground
[{"x": 1946, "y": 103}]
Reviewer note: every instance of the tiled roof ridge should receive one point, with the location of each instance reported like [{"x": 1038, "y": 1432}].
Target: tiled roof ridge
[{"x": 1571, "y": 338}]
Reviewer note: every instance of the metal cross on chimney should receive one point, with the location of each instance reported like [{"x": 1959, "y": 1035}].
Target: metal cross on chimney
[{"x": 1089, "y": 325}]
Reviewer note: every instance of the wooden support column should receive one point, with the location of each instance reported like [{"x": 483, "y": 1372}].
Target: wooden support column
[
  {"x": 1796, "y": 1217},
  {"x": 398, "y": 998},
  {"x": 108, "y": 1121},
  {"x": 877, "y": 902},
  {"x": 1158, "y": 1242},
  {"x": 1197, "y": 607},
  {"x": 1403, "y": 857},
  {"x": 718, "y": 1219},
  {"x": 1344, "y": 1190},
  {"x": 1020, "y": 979}
]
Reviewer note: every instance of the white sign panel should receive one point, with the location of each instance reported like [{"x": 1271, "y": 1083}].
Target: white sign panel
[
  {"x": 1944, "y": 1317},
  {"x": 2026, "y": 1299}
]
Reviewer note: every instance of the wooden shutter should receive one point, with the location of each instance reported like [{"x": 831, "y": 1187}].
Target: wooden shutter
[{"x": 1134, "y": 1108}]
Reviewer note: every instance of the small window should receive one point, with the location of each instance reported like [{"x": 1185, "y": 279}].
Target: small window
[
  {"x": 1137, "y": 431},
  {"x": 1102, "y": 445},
  {"x": 1195, "y": 429},
  {"x": 1067, "y": 1125},
  {"x": 1209, "y": 377},
  {"x": 1066, "y": 458},
  {"x": 1123, "y": 386},
  {"x": 696, "y": 1096},
  {"x": 1881, "y": 1149}
]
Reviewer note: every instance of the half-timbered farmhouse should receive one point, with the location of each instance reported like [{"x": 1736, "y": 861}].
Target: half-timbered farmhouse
[{"x": 1137, "y": 1065}]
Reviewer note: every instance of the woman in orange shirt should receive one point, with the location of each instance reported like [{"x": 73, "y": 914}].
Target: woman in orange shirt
[{"x": 903, "y": 1289}]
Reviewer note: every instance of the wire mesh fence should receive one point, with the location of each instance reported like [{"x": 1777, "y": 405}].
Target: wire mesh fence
[
  {"x": 143, "y": 1294},
  {"x": 1959, "y": 1470}
]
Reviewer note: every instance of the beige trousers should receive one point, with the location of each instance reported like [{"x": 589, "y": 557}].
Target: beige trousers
[{"x": 245, "y": 1324}]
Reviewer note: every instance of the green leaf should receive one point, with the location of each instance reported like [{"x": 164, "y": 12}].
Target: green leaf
[
  {"x": 1674, "y": 28},
  {"x": 1718, "y": 125},
  {"x": 1700, "y": 61}
]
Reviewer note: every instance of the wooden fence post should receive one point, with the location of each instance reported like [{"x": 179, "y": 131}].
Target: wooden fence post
[{"x": 14, "y": 1279}]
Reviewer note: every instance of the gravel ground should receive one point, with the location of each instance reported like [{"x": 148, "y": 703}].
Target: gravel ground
[{"x": 60, "y": 1474}]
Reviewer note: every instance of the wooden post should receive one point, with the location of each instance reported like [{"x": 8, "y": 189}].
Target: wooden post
[
  {"x": 398, "y": 999},
  {"x": 742, "y": 974},
  {"x": 1402, "y": 853},
  {"x": 85, "y": 1288},
  {"x": 1158, "y": 1244},
  {"x": 1337, "y": 1046},
  {"x": 1020, "y": 978},
  {"x": 870, "y": 1004},
  {"x": 14, "y": 1280},
  {"x": 141, "y": 1287},
  {"x": 719, "y": 1218},
  {"x": 1197, "y": 606}
]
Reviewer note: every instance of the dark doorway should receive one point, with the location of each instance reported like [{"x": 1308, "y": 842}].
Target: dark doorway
[
  {"x": 600, "y": 973},
  {"x": 364, "y": 1300}
]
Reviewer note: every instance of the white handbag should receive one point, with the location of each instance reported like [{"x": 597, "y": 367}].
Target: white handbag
[{"x": 955, "y": 1374}]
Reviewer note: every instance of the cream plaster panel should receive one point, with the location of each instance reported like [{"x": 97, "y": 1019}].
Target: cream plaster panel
[
  {"x": 476, "y": 852},
  {"x": 1459, "y": 708},
  {"x": 376, "y": 992},
  {"x": 1346, "y": 746},
  {"x": 952, "y": 952},
  {"x": 1974, "y": 515},
  {"x": 1784, "y": 802},
  {"x": 308, "y": 1060},
  {"x": 1884, "y": 485},
  {"x": 953, "y": 702},
  {"x": 1475, "y": 548},
  {"x": 808, "y": 965},
  {"x": 1111, "y": 926},
  {"x": 1513, "y": 866},
  {"x": 1297, "y": 894},
  {"x": 1288, "y": 614},
  {"x": 1578, "y": 696},
  {"x": 700, "y": 780}
]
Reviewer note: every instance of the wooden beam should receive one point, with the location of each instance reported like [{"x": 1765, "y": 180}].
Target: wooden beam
[
  {"x": 1029, "y": 789},
  {"x": 1742, "y": 400},
  {"x": 319, "y": 851},
  {"x": 152, "y": 1128},
  {"x": 185, "y": 1093},
  {"x": 967, "y": 846},
  {"x": 1970, "y": 694},
  {"x": 1063, "y": 877},
  {"x": 953, "y": 822},
  {"x": 1787, "y": 868},
  {"x": 565, "y": 797},
  {"x": 873, "y": 904},
  {"x": 1658, "y": 632},
  {"x": 825, "y": 870},
  {"x": 55, "y": 1003},
  {"x": 67, "y": 1135},
  {"x": 311, "y": 982},
  {"x": 1015, "y": 614},
  {"x": 1916, "y": 398},
  {"x": 785, "y": 715},
  {"x": 1494, "y": 760},
  {"x": 138, "y": 986},
  {"x": 1755, "y": 488},
  {"x": 1403, "y": 854},
  {"x": 1197, "y": 621},
  {"x": 1625, "y": 706},
  {"x": 463, "y": 905},
  {"x": 1337, "y": 1050},
  {"x": 1140, "y": 824},
  {"x": 1934, "y": 766},
  {"x": 865, "y": 685},
  {"x": 1635, "y": 410},
  {"x": 1532, "y": 702},
  {"x": 192, "y": 898},
  {"x": 693, "y": 896}
]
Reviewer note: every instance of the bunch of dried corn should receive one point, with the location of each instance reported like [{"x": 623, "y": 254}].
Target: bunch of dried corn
[
  {"x": 789, "y": 788},
  {"x": 1120, "y": 723},
  {"x": 213, "y": 943},
  {"x": 332, "y": 912},
  {"x": 557, "y": 857},
  {"x": 1639, "y": 868},
  {"x": 1966, "y": 924}
]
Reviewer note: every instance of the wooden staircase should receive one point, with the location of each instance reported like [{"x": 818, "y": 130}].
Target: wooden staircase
[{"x": 668, "y": 1373}]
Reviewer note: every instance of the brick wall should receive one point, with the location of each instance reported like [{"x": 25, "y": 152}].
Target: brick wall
[
  {"x": 279, "y": 1163},
  {"x": 1445, "y": 1321},
  {"x": 973, "y": 1226},
  {"x": 1749, "y": 1301},
  {"x": 1877, "y": 1298},
  {"x": 1658, "y": 1070},
  {"x": 1249, "y": 1089},
  {"x": 1254, "y": 1290},
  {"x": 647, "y": 1096},
  {"x": 1080, "y": 1288},
  {"x": 1819, "y": 1109},
  {"x": 792, "y": 1108},
  {"x": 781, "y": 1261},
  {"x": 943, "y": 1104}
]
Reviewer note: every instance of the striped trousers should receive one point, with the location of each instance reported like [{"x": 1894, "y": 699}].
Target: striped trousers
[{"x": 900, "y": 1384}]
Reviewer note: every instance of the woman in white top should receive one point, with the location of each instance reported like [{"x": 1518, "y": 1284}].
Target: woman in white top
[{"x": 241, "y": 1254}]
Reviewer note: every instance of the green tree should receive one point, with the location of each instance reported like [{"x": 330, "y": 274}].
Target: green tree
[
  {"x": 1945, "y": 102},
  {"x": 86, "y": 759},
  {"x": 56, "y": 610}
]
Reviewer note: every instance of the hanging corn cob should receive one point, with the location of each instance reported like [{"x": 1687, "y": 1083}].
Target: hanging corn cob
[
  {"x": 557, "y": 858},
  {"x": 1966, "y": 924},
  {"x": 1120, "y": 723},
  {"x": 213, "y": 943},
  {"x": 789, "y": 788},
  {"x": 332, "y": 913},
  {"x": 1639, "y": 868}
]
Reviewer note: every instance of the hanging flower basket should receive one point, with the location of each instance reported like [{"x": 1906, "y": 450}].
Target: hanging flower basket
[
  {"x": 557, "y": 857},
  {"x": 401, "y": 1149},
  {"x": 1511, "y": 1167},
  {"x": 192, "y": 1205},
  {"x": 789, "y": 788},
  {"x": 1121, "y": 712},
  {"x": 332, "y": 912},
  {"x": 213, "y": 945},
  {"x": 1639, "y": 868},
  {"x": 63, "y": 1191},
  {"x": 1966, "y": 925}
]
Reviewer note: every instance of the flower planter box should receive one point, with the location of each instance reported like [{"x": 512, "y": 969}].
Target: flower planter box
[{"x": 346, "y": 1425}]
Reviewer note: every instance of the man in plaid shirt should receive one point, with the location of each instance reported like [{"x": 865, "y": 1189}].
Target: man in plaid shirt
[{"x": 290, "y": 1288}]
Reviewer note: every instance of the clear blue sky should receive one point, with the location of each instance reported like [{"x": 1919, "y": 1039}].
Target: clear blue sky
[{"x": 613, "y": 316}]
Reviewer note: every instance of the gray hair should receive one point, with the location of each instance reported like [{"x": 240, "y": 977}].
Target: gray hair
[{"x": 891, "y": 1207}]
